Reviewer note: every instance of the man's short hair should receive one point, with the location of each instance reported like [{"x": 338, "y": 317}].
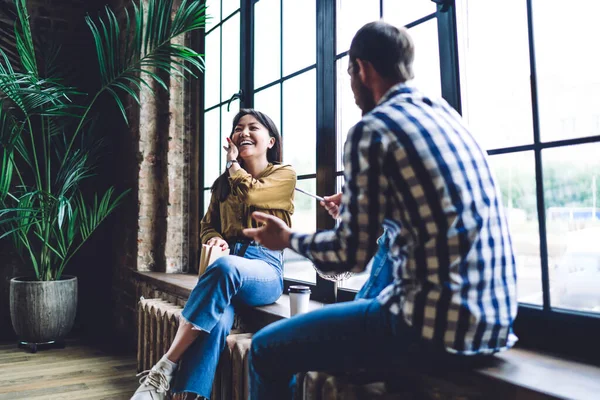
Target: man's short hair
[{"x": 389, "y": 49}]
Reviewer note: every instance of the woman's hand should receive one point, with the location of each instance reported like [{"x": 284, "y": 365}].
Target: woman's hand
[
  {"x": 218, "y": 242},
  {"x": 332, "y": 204},
  {"x": 232, "y": 150}
]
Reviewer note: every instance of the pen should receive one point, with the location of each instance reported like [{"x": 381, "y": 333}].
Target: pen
[{"x": 311, "y": 195}]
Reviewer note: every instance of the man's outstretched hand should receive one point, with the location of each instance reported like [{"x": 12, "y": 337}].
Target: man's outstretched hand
[
  {"x": 274, "y": 234},
  {"x": 332, "y": 205}
]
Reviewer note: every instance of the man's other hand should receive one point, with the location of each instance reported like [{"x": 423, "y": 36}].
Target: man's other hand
[{"x": 274, "y": 234}]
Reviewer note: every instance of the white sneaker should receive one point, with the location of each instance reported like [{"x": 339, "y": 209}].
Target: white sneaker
[{"x": 155, "y": 383}]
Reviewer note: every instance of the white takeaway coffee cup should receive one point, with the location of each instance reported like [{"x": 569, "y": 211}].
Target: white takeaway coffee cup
[{"x": 299, "y": 297}]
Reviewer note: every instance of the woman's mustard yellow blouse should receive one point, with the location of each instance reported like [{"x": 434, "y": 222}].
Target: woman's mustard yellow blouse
[{"x": 271, "y": 192}]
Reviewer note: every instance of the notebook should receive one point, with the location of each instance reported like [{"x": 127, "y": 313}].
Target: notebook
[{"x": 209, "y": 255}]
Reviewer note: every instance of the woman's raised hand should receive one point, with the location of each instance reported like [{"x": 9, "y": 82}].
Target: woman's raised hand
[
  {"x": 232, "y": 150},
  {"x": 218, "y": 242}
]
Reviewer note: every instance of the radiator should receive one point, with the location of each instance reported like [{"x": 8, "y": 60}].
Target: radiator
[{"x": 157, "y": 323}]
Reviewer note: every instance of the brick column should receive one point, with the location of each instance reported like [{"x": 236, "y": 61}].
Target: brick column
[
  {"x": 177, "y": 246},
  {"x": 164, "y": 179},
  {"x": 153, "y": 195}
]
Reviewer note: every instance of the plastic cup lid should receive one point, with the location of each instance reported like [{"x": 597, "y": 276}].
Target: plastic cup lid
[{"x": 299, "y": 289}]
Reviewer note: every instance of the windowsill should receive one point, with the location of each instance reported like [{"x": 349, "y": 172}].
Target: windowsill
[
  {"x": 183, "y": 284},
  {"x": 544, "y": 374},
  {"x": 520, "y": 369}
]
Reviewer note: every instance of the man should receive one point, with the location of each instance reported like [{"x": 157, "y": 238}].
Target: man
[{"x": 412, "y": 166}]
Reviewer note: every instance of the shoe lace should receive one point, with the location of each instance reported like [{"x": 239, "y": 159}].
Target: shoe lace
[{"x": 155, "y": 378}]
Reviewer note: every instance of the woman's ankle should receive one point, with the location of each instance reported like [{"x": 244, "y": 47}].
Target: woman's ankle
[{"x": 166, "y": 364}]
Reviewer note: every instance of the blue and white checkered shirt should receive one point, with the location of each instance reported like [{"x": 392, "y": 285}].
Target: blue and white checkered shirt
[{"x": 412, "y": 166}]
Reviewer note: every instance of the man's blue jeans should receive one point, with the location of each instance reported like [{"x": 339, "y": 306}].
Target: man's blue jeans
[
  {"x": 339, "y": 337},
  {"x": 254, "y": 280}
]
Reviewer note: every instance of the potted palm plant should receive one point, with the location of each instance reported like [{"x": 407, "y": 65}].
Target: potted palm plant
[{"x": 48, "y": 149}]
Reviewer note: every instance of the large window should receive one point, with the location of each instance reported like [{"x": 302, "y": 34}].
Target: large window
[
  {"x": 221, "y": 82},
  {"x": 530, "y": 96},
  {"x": 285, "y": 89},
  {"x": 542, "y": 138},
  {"x": 532, "y": 99}
]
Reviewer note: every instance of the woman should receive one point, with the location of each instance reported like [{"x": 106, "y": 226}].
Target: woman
[{"x": 252, "y": 275}]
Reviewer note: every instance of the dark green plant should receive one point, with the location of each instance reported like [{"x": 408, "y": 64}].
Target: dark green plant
[{"x": 47, "y": 143}]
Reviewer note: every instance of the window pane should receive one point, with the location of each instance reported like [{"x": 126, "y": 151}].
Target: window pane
[
  {"x": 213, "y": 12},
  {"x": 351, "y": 15},
  {"x": 299, "y": 124},
  {"x": 227, "y": 125},
  {"x": 356, "y": 281},
  {"x": 496, "y": 95},
  {"x": 515, "y": 175},
  {"x": 339, "y": 183},
  {"x": 231, "y": 57},
  {"x": 305, "y": 215},
  {"x": 299, "y": 35},
  {"x": 212, "y": 75},
  {"x": 212, "y": 147},
  {"x": 568, "y": 79},
  {"x": 304, "y": 220},
  {"x": 347, "y": 113},
  {"x": 229, "y": 6},
  {"x": 298, "y": 268},
  {"x": 268, "y": 101},
  {"x": 400, "y": 13},
  {"x": 427, "y": 58},
  {"x": 267, "y": 57},
  {"x": 571, "y": 193}
]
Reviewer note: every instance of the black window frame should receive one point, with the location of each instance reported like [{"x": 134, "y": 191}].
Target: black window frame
[{"x": 571, "y": 330}]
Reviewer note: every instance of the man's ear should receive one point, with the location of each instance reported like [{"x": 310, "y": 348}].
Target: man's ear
[{"x": 365, "y": 71}]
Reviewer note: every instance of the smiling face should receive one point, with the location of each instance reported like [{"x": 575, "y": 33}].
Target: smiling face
[{"x": 251, "y": 138}]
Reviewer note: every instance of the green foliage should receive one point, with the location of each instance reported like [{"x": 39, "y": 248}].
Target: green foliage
[
  {"x": 566, "y": 184},
  {"x": 47, "y": 141}
]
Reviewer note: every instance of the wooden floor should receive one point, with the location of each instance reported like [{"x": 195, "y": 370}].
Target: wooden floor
[{"x": 76, "y": 372}]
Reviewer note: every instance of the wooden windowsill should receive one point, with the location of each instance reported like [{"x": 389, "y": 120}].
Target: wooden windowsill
[
  {"x": 545, "y": 374},
  {"x": 541, "y": 375},
  {"x": 183, "y": 284}
]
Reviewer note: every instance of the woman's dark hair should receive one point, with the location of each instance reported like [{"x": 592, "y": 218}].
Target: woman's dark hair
[
  {"x": 221, "y": 185},
  {"x": 389, "y": 49}
]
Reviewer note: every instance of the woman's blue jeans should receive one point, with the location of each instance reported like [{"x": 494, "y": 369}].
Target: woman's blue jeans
[{"x": 254, "y": 279}]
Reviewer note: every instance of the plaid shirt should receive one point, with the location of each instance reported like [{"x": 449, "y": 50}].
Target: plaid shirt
[{"x": 412, "y": 167}]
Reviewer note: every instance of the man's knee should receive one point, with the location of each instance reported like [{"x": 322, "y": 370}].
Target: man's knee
[
  {"x": 263, "y": 344},
  {"x": 258, "y": 340},
  {"x": 256, "y": 356}
]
